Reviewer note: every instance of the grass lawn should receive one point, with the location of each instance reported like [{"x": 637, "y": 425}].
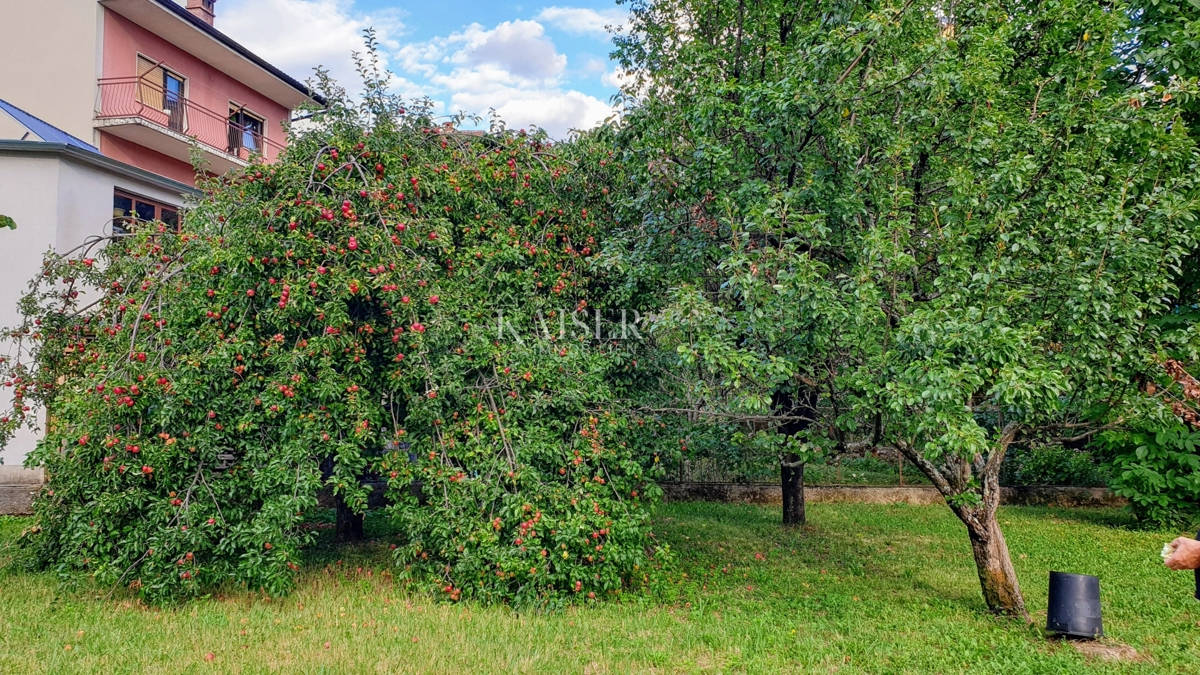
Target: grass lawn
[{"x": 864, "y": 588}]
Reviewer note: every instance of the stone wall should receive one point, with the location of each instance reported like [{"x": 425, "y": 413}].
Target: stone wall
[
  {"x": 760, "y": 493},
  {"x": 17, "y": 487}
]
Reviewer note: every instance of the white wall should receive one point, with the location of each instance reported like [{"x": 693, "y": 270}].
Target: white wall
[
  {"x": 50, "y": 60},
  {"x": 85, "y": 201},
  {"x": 29, "y": 195},
  {"x": 56, "y": 202}
]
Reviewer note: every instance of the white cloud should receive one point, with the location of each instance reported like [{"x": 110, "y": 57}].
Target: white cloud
[
  {"x": 513, "y": 68},
  {"x": 298, "y": 35},
  {"x": 616, "y": 78},
  {"x": 421, "y": 58},
  {"x": 554, "y": 110},
  {"x": 558, "y": 112},
  {"x": 583, "y": 21},
  {"x": 521, "y": 48},
  {"x": 520, "y": 102},
  {"x": 593, "y": 66}
]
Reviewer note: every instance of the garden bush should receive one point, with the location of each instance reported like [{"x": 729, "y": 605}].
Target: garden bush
[
  {"x": 1158, "y": 470},
  {"x": 343, "y": 306},
  {"x": 1052, "y": 465}
]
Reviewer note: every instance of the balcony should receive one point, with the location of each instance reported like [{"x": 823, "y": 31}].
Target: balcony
[{"x": 142, "y": 112}]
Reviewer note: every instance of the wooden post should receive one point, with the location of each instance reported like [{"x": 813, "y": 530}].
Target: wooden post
[
  {"x": 349, "y": 523},
  {"x": 901, "y": 470}
]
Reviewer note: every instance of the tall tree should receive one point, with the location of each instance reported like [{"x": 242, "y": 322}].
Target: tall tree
[{"x": 948, "y": 221}]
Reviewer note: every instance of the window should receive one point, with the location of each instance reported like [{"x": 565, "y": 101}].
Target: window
[
  {"x": 162, "y": 89},
  {"x": 129, "y": 209},
  {"x": 245, "y": 130}
]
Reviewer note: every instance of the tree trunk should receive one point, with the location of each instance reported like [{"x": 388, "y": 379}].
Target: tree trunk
[
  {"x": 957, "y": 478},
  {"x": 791, "y": 471},
  {"x": 792, "y": 482},
  {"x": 997, "y": 578},
  {"x": 349, "y": 523}
]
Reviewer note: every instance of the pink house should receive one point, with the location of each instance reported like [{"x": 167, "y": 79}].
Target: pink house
[
  {"x": 168, "y": 76},
  {"x": 145, "y": 80}
]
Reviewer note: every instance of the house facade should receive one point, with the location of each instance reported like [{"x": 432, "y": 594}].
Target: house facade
[
  {"x": 144, "y": 80},
  {"x": 102, "y": 105}
]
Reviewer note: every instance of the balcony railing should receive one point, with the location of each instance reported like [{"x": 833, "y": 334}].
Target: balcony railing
[{"x": 137, "y": 98}]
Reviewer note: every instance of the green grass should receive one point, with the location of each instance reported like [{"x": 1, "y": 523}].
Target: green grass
[{"x": 863, "y": 589}]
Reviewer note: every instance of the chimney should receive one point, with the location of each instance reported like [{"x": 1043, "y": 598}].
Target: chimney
[{"x": 202, "y": 9}]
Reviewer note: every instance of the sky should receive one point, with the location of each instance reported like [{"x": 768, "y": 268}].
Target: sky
[{"x": 536, "y": 64}]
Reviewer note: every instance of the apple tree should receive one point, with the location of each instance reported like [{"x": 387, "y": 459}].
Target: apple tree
[{"x": 385, "y": 299}]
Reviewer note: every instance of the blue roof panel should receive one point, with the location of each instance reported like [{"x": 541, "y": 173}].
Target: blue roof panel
[{"x": 47, "y": 132}]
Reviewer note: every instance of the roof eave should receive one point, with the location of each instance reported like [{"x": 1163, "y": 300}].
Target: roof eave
[
  {"x": 138, "y": 12},
  {"x": 97, "y": 160}
]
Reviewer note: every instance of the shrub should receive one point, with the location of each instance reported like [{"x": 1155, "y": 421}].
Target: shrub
[
  {"x": 1158, "y": 471},
  {"x": 334, "y": 306},
  {"x": 1052, "y": 465}
]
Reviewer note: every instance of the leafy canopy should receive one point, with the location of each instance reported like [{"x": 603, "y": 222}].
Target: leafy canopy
[
  {"x": 935, "y": 216},
  {"x": 332, "y": 316}
]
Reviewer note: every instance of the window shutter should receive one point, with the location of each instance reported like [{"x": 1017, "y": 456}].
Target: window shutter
[
  {"x": 145, "y": 65},
  {"x": 150, "y": 83}
]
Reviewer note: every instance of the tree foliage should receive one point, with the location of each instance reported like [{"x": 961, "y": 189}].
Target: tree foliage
[
  {"x": 1154, "y": 458},
  {"x": 340, "y": 309},
  {"x": 1164, "y": 40},
  {"x": 951, "y": 221},
  {"x": 1158, "y": 471}
]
